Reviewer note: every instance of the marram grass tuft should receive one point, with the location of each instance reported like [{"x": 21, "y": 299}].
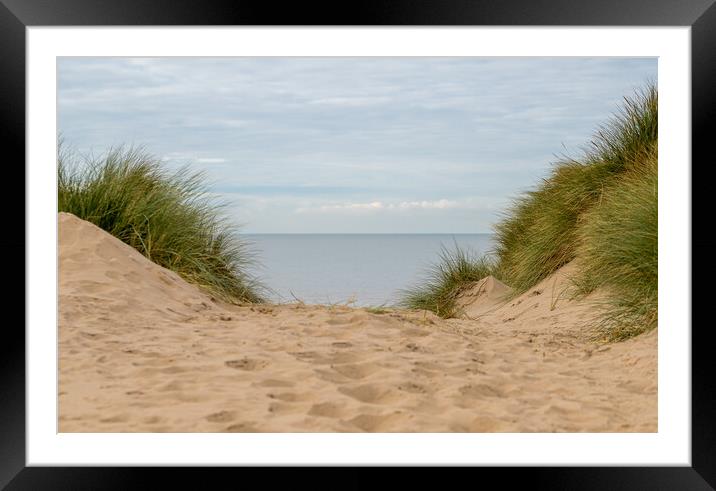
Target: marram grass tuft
[
  {"x": 167, "y": 216},
  {"x": 618, "y": 252},
  {"x": 455, "y": 271},
  {"x": 538, "y": 234}
]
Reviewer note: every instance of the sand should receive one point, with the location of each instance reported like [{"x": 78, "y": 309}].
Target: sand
[{"x": 141, "y": 350}]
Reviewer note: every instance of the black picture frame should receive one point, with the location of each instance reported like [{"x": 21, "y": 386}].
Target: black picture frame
[{"x": 16, "y": 15}]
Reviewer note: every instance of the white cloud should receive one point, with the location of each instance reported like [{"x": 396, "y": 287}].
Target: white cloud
[
  {"x": 374, "y": 206},
  {"x": 475, "y": 203},
  {"x": 428, "y": 205},
  {"x": 351, "y": 101},
  {"x": 188, "y": 157}
]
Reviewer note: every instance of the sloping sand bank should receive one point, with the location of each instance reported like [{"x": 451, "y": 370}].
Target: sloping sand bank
[{"x": 143, "y": 351}]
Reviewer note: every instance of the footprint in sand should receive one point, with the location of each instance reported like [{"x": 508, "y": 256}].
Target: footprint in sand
[
  {"x": 413, "y": 388},
  {"x": 330, "y": 358},
  {"x": 371, "y": 393},
  {"x": 378, "y": 422},
  {"x": 304, "y": 355},
  {"x": 120, "y": 418},
  {"x": 285, "y": 408},
  {"x": 481, "y": 390},
  {"x": 326, "y": 410},
  {"x": 412, "y": 347},
  {"x": 289, "y": 396},
  {"x": 247, "y": 427},
  {"x": 357, "y": 371},
  {"x": 221, "y": 417},
  {"x": 92, "y": 335},
  {"x": 331, "y": 376},
  {"x": 247, "y": 364},
  {"x": 341, "y": 344}
]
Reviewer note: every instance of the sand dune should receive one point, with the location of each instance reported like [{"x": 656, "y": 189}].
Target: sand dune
[
  {"x": 485, "y": 296},
  {"x": 143, "y": 351}
]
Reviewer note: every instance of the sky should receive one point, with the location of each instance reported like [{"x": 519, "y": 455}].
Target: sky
[{"x": 350, "y": 145}]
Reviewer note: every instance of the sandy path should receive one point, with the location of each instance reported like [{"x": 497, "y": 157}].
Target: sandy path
[{"x": 141, "y": 350}]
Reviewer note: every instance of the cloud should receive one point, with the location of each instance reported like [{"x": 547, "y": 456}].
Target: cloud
[
  {"x": 350, "y": 140},
  {"x": 428, "y": 205},
  {"x": 376, "y": 206},
  {"x": 372, "y": 206},
  {"x": 351, "y": 101}
]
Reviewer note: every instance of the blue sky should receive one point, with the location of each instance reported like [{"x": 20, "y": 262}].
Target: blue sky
[{"x": 350, "y": 145}]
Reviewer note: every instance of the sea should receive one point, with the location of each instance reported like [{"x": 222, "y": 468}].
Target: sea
[{"x": 354, "y": 269}]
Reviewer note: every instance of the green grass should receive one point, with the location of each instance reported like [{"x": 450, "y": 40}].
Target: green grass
[
  {"x": 618, "y": 252},
  {"x": 539, "y": 233},
  {"x": 167, "y": 216},
  {"x": 455, "y": 271},
  {"x": 600, "y": 209}
]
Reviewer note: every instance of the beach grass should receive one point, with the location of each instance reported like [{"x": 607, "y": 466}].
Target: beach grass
[
  {"x": 599, "y": 209},
  {"x": 455, "y": 270},
  {"x": 167, "y": 216},
  {"x": 539, "y": 234},
  {"x": 618, "y": 252}
]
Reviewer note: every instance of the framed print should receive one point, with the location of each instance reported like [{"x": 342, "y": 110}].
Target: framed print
[{"x": 354, "y": 153}]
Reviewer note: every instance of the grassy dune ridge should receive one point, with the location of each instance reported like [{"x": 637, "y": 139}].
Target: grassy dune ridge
[
  {"x": 618, "y": 250},
  {"x": 168, "y": 217},
  {"x": 446, "y": 279},
  {"x": 599, "y": 209}
]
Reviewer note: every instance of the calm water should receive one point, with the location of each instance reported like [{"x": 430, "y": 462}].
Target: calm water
[{"x": 335, "y": 268}]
